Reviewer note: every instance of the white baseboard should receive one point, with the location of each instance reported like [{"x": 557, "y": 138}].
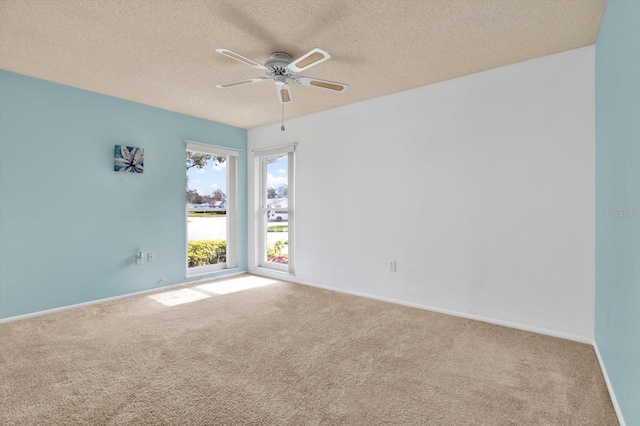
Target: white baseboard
[
  {"x": 554, "y": 333},
  {"x": 612, "y": 394},
  {"x": 122, "y": 296}
]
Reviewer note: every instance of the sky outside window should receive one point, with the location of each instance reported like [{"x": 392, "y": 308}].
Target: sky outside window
[
  {"x": 277, "y": 173},
  {"x": 209, "y": 178}
]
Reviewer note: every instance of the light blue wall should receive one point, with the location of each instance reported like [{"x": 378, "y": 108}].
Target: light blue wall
[
  {"x": 69, "y": 224},
  {"x": 618, "y": 202}
]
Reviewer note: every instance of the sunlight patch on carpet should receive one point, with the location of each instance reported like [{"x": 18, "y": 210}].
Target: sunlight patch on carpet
[
  {"x": 237, "y": 284},
  {"x": 178, "y": 297}
]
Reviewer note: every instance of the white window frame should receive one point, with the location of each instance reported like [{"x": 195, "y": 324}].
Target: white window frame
[
  {"x": 260, "y": 156},
  {"x": 233, "y": 156}
]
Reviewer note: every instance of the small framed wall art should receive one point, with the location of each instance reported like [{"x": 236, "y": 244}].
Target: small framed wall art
[{"x": 129, "y": 159}]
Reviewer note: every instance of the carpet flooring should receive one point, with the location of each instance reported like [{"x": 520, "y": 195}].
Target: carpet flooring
[{"x": 286, "y": 354}]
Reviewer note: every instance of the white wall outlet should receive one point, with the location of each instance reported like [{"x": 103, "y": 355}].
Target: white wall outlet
[
  {"x": 151, "y": 256},
  {"x": 392, "y": 266},
  {"x": 139, "y": 258}
]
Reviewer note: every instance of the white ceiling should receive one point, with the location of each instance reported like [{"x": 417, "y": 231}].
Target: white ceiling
[{"x": 162, "y": 52}]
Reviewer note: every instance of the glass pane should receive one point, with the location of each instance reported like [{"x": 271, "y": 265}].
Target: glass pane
[
  {"x": 277, "y": 181},
  {"x": 277, "y": 214},
  {"x": 206, "y": 186},
  {"x": 278, "y": 237}
]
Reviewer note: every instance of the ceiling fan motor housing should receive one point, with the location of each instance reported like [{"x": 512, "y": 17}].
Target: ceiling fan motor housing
[{"x": 277, "y": 65}]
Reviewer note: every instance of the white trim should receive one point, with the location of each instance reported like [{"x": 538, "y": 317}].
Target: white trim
[
  {"x": 275, "y": 150},
  {"x": 260, "y": 164},
  {"x": 206, "y": 148},
  {"x": 612, "y": 394},
  {"x": 280, "y": 267},
  {"x": 276, "y": 274},
  {"x": 261, "y": 220},
  {"x": 292, "y": 278},
  {"x": 206, "y": 269},
  {"x": 122, "y": 296},
  {"x": 232, "y": 231},
  {"x": 291, "y": 207},
  {"x": 233, "y": 240}
]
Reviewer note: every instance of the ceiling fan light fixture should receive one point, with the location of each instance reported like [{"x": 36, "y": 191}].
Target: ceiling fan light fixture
[{"x": 285, "y": 95}]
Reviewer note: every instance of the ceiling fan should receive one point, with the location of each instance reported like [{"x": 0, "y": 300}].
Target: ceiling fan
[{"x": 281, "y": 68}]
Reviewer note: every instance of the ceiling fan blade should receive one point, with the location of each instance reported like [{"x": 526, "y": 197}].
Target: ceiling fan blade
[
  {"x": 243, "y": 59},
  {"x": 309, "y": 59},
  {"x": 240, "y": 82},
  {"x": 322, "y": 84},
  {"x": 284, "y": 93}
]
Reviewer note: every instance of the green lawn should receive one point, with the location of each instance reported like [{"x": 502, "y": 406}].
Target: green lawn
[
  {"x": 278, "y": 228},
  {"x": 194, "y": 214}
]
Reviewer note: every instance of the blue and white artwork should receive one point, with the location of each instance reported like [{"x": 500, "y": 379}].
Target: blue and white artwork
[{"x": 129, "y": 159}]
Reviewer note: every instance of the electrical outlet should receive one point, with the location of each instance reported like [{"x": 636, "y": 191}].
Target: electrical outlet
[
  {"x": 392, "y": 266},
  {"x": 151, "y": 256},
  {"x": 140, "y": 258}
]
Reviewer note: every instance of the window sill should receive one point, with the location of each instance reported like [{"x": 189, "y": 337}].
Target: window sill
[
  {"x": 210, "y": 269},
  {"x": 271, "y": 273}
]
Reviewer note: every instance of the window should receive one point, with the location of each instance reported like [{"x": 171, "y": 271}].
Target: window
[
  {"x": 211, "y": 208},
  {"x": 275, "y": 219}
]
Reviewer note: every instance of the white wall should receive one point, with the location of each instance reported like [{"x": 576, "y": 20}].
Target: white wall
[{"x": 482, "y": 189}]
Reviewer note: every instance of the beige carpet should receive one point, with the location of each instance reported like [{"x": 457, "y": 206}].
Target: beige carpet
[{"x": 285, "y": 354}]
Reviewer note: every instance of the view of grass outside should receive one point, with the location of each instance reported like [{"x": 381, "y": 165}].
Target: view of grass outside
[
  {"x": 209, "y": 215},
  {"x": 206, "y": 182}
]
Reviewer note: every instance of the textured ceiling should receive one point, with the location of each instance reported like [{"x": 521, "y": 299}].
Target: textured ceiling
[{"x": 162, "y": 52}]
